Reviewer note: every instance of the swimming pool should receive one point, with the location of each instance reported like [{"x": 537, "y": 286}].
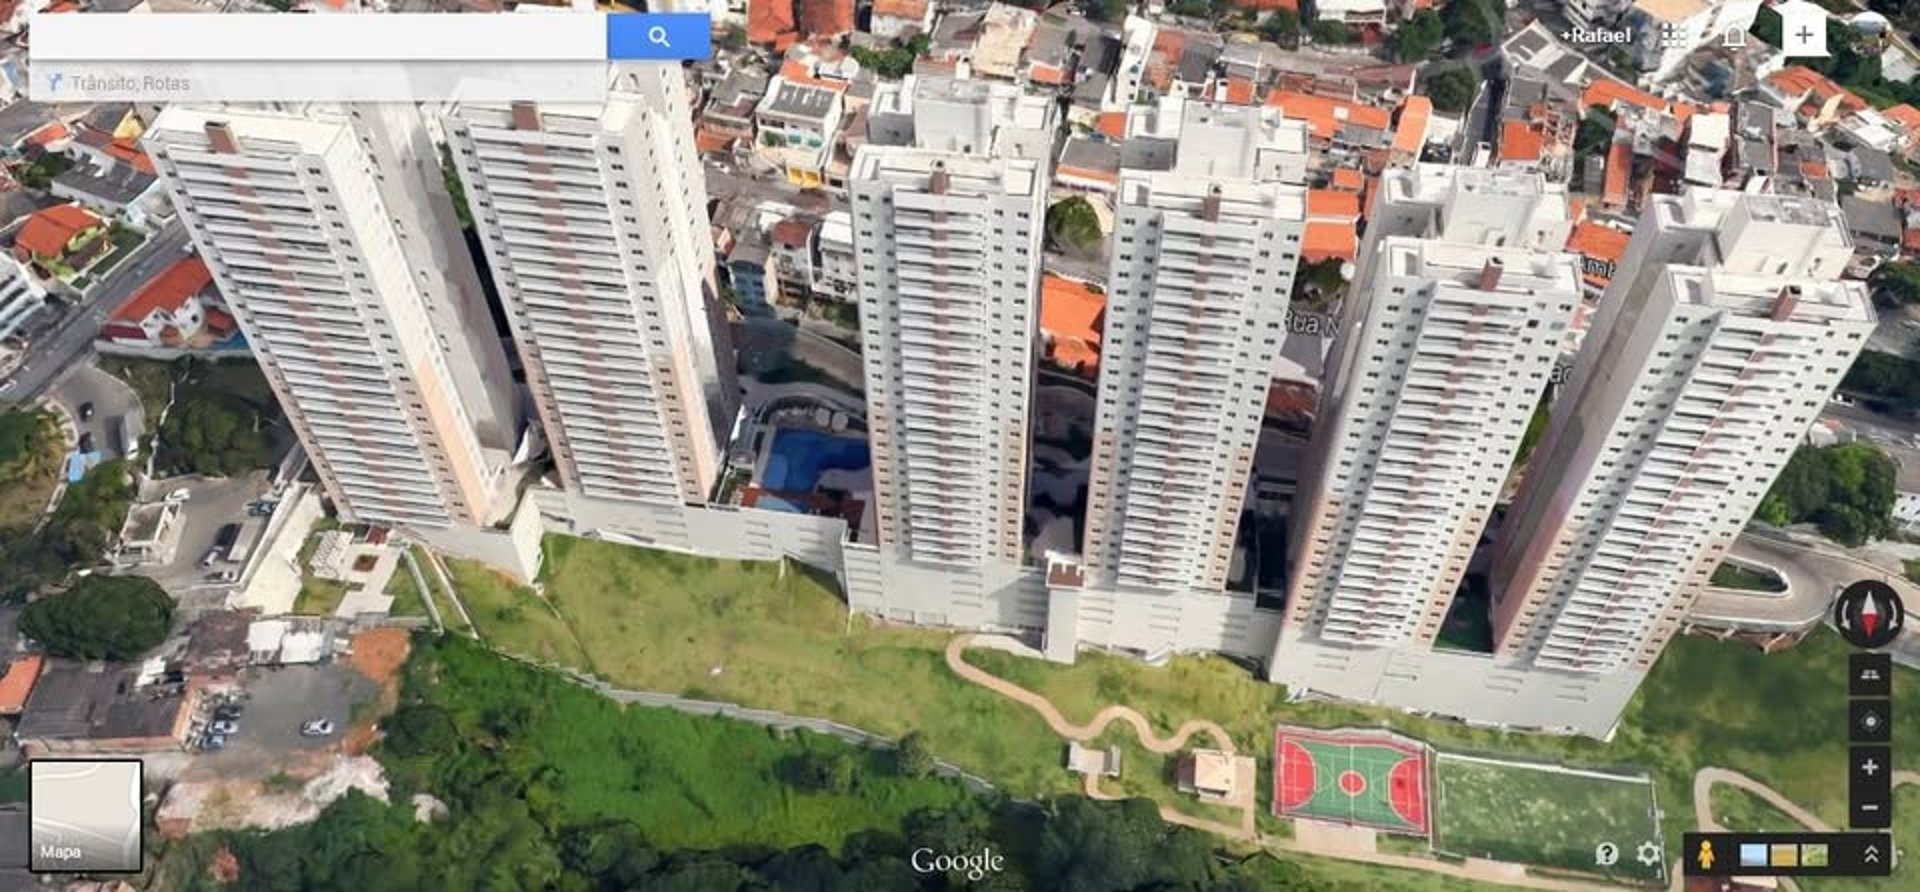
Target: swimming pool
[{"x": 797, "y": 458}]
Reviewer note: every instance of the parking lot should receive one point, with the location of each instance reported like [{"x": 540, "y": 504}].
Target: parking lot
[
  {"x": 115, "y": 407},
  {"x": 277, "y": 701},
  {"x": 210, "y": 505}
]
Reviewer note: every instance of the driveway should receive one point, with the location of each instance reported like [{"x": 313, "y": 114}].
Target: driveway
[
  {"x": 277, "y": 701},
  {"x": 211, "y": 504},
  {"x": 761, "y": 342},
  {"x": 115, "y": 407}
]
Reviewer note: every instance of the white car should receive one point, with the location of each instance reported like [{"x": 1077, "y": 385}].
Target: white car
[
  {"x": 179, "y": 495},
  {"x": 316, "y": 728}
]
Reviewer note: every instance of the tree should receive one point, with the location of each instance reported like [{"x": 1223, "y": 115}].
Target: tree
[
  {"x": 1883, "y": 378},
  {"x": 822, "y": 771},
  {"x": 1896, "y": 284},
  {"x": 1073, "y": 225},
  {"x": 1475, "y": 22},
  {"x": 419, "y": 730},
  {"x": 1088, "y": 845},
  {"x": 27, "y": 445},
  {"x": 101, "y": 618},
  {"x": 1452, "y": 88},
  {"x": 214, "y": 437},
  {"x": 1418, "y": 37},
  {"x": 1281, "y": 26},
  {"x": 1328, "y": 31},
  {"x": 894, "y": 62},
  {"x": 1108, "y": 10},
  {"x": 456, "y": 190},
  {"x": 912, "y": 755},
  {"x": 1595, "y": 134},
  {"x": 1848, "y": 490},
  {"x": 1767, "y": 27}
]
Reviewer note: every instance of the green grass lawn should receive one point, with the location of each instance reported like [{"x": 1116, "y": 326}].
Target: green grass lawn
[
  {"x": 407, "y": 600},
  {"x": 1738, "y": 577},
  {"x": 30, "y": 453},
  {"x": 740, "y": 632},
  {"x": 1739, "y": 810},
  {"x": 449, "y": 617},
  {"x": 512, "y": 617},
  {"x": 1148, "y": 774},
  {"x": 1514, "y": 812},
  {"x": 151, "y": 380},
  {"x": 318, "y": 597}
]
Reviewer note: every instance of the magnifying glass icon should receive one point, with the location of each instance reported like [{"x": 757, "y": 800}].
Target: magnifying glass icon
[{"x": 657, "y": 35}]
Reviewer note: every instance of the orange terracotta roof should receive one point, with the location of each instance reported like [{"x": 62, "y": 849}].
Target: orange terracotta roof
[
  {"x": 1410, "y": 132},
  {"x": 1070, "y": 309},
  {"x": 1576, "y": 208},
  {"x": 1605, "y": 91},
  {"x": 129, "y": 151},
  {"x": 1348, "y": 179},
  {"x": 1087, "y": 173},
  {"x": 1324, "y": 116},
  {"x": 1049, "y": 75},
  {"x": 1324, "y": 240},
  {"x": 53, "y": 132},
  {"x": 795, "y": 70},
  {"x": 1329, "y": 203},
  {"x": 47, "y": 232},
  {"x": 1799, "y": 80},
  {"x": 1910, "y": 240},
  {"x": 1113, "y": 124},
  {"x": 1598, "y": 241},
  {"x": 1905, "y": 115},
  {"x": 828, "y": 17},
  {"x": 1813, "y": 169},
  {"x": 166, "y": 291},
  {"x": 64, "y": 6},
  {"x": 1619, "y": 166},
  {"x": 767, "y": 20},
  {"x": 706, "y": 140},
  {"x": 1519, "y": 142},
  {"x": 218, "y": 319},
  {"x": 900, "y": 9},
  {"x": 17, "y": 683},
  {"x": 791, "y": 233},
  {"x": 1236, "y": 91}
]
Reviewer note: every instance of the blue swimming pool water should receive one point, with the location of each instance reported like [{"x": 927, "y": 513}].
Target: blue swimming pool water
[{"x": 797, "y": 458}]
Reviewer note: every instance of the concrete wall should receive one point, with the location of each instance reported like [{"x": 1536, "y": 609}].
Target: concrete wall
[
  {"x": 718, "y": 531},
  {"x": 1477, "y": 688},
  {"x": 1153, "y": 624},
  {"x": 1005, "y": 597},
  {"x": 514, "y": 550}
]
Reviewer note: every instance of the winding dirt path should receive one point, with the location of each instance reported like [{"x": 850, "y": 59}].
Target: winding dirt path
[{"x": 1473, "y": 869}]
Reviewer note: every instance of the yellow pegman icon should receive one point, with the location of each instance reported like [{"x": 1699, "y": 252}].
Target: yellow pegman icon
[{"x": 1706, "y": 854}]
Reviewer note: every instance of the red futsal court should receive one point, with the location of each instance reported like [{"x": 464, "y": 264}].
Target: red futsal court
[{"x": 1372, "y": 779}]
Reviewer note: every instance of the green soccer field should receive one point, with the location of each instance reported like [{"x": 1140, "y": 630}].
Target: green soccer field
[{"x": 1543, "y": 815}]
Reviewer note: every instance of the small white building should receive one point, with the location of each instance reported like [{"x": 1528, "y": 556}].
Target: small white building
[{"x": 20, "y": 296}]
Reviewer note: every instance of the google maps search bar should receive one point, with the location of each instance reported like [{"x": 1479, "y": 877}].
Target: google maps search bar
[{"x": 558, "y": 56}]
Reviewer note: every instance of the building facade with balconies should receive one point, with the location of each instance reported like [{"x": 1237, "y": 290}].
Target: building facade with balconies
[
  {"x": 309, "y": 223},
  {"x": 1716, "y": 346},
  {"x": 595, "y": 226},
  {"x": 948, "y": 247}
]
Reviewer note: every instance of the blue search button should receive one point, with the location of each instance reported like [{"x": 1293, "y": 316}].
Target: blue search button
[{"x": 670, "y": 36}]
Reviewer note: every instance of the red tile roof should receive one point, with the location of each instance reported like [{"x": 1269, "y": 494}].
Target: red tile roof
[
  {"x": 1619, "y": 169},
  {"x": 47, "y": 232},
  {"x": 791, "y": 233},
  {"x": 1410, "y": 132},
  {"x": 1325, "y": 240},
  {"x": 1113, "y": 124},
  {"x": 1799, "y": 80},
  {"x": 1348, "y": 179},
  {"x": 1519, "y": 142},
  {"x": 17, "y": 683},
  {"x": 1324, "y": 116},
  {"x": 166, "y": 291},
  {"x": 768, "y": 19},
  {"x": 830, "y": 18},
  {"x": 900, "y": 9},
  {"x": 1329, "y": 203},
  {"x": 1598, "y": 242},
  {"x": 1605, "y": 92},
  {"x": 1234, "y": 91},
  {"x": 53, "y": 132},
  {"x": 1070, "y": 315}
]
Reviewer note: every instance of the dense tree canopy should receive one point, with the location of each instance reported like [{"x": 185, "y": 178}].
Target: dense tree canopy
[
  {"x": 1451, "y": 88},
  {"x": 27, "y": 445},
  {"x": 214, "y": 437},
  {"x": 1073, "y": 225},
  {"x": 101, "y": 618},
  {"x": 1848, "y": 490},
  {"x": 1475, "y": 22},
  {"x": 1896, "y": 284},
  {"x": 1418, "y": 37},
  {"x": 77, "y": 534},
  {"x": 1891, "y": 381}
]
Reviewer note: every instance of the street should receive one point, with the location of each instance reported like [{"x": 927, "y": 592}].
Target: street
[
  {"x": 72, "y": 338},
  {"x": 115, "y": 407}
]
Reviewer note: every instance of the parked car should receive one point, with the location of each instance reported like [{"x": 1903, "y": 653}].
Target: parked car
[
  {"x": 229, "y": 534},
  {"x": 261, "y": 509},
  {"x": 228, "y": 711},
  {"x": 224, "y": 726},
  {"x": 86, "y": 442},
  {"x": 213, "y": 741},
  {"x": 316, "y": 727},
  {"x": 228, "y": 575},
  {"x": 206, "y": 560},
  {"x": 180, "y": 495},
  {"x": 86, "y": 411}
]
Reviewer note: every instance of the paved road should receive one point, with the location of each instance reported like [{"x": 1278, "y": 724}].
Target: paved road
[
  {"x": 1813, "y": 574},
  {"x": 113, "y": 403},
  {"x": 1870, "y": 423},
  {"x": 73, "y": 337}
]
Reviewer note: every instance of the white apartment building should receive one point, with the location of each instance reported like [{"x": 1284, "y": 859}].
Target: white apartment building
[
  {"x": 20, "y": 296},
  {"x": 1459, "y": 309},
  {"x": 594, "y": 222},
  {"x": 306, "y": 220},
  {"x": 949, "y": 252},
  {"x": 1200, "y": 276},
  {"x": 971, "y": 117},
  {"x": 1716, "y": 346},
  {"x": 1205, "y": 138}
]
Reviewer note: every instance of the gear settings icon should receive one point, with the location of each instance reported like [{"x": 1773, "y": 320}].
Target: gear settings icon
[{"x": 1649, "y": 853}]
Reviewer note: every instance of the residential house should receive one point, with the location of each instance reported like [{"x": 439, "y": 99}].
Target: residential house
[
  {"x": 782, "y": 23},
  {"x": 1815, "y": 100},
  {"x": 1753, "y": 152},
  {"x": 748, "y": 271},
  {"x": 62, "y": 239},
  {"x": 1002, "y": 40},
  {"x": 1139, "y": 37},
  {"x": 727, "y": 118},
  {"x": 1352, "y": 13},
  {"x": 89, "y": 708},
  {"x": 790, "y": 244},
  {"x": 113, "y": 187},
  {"x": 796, "y": 124},
  {"x": 1051, "y": 55},
  {"x": 1410, "y": 127},
  {"x": 1071, "y": 314},
  {"x": 1333, "y": 221},
  {"x": 1874, "y": 129},
  {"x": 950, "y": 49},
  {"x": 1876, "y": 228},
  {"x": 837, "y": 272},
  {"x": 172, "y": 310},
  {"x": 1600, "y": 248},
  {"x": 1088, "y": 165},
  {"x": 900, "y": 19},
  {"x": 1707, "y": 137}
]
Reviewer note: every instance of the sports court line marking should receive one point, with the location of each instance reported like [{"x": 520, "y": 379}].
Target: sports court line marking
[{"x": 1550, "y": 768}]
